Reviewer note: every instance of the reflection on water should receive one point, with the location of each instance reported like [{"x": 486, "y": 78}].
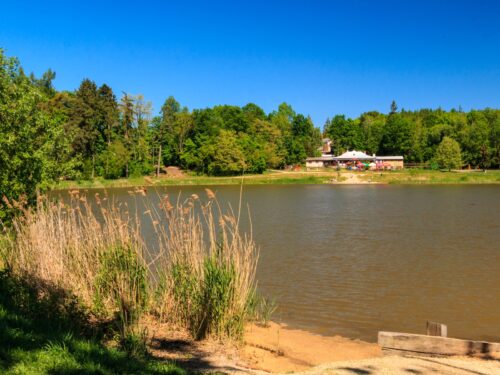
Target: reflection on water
[{"x": 354, "y": 260}]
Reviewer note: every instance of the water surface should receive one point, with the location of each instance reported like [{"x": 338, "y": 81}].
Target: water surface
[{"x": 354, "y": 260}]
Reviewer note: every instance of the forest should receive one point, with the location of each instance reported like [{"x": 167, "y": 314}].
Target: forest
[{"x": 47, "y": 135}]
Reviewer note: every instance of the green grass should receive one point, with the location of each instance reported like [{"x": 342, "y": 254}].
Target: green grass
[
  {"x": 41, "y": 335},
  {"x": 264, "y": 179},
  {"x": 406, "y": 176},
  {"x": 423, "y": 177}
]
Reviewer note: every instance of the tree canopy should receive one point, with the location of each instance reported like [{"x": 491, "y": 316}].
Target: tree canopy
[
  {"x": 416, "y": 135},
  {"x": 448, "y": 155},
  {"x": 46, "y": 135}
]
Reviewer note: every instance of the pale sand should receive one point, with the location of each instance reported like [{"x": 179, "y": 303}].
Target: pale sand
[
  {"x": 353, "y": 179},
  {"x": 393, "y": 365},
  {"x": 278, "y": 349},
  {"x": 274, "y": 349}
]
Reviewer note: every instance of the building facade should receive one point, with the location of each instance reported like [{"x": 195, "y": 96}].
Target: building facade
[{"x": 356, "y": 160}]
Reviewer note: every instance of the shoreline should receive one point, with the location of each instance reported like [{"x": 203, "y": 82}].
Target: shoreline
[
  {"x": 275, "y": 348},
  {"x": 402, "y": 177},
  {"x": 280, "y": 349}
]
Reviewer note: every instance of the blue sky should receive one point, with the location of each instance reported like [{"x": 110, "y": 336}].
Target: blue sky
[{"x": 322, "y": 57}]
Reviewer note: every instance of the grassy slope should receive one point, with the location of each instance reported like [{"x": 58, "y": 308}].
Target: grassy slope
[
  {"x": 416, "y": 176},
  {"x": 318, "y": 177},
  {"x": 37, "y": 337}
]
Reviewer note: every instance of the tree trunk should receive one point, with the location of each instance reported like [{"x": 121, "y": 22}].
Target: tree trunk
[
  {"x": 93, "y": 165},
  {"x": 158, "y": 165}
]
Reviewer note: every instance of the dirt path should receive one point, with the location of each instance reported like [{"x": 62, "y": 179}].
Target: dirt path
[{"x": 353, "y": 178}]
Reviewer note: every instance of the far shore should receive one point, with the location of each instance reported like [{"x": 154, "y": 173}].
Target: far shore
[{"x": 275, "y": 177}]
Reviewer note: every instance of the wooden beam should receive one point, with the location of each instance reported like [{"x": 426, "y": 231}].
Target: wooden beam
[{"x": 401, "y": 343}]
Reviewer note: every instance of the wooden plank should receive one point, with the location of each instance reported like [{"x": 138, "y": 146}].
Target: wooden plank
[
  {"x": 436, "y": 329},
  {"x": 435, "y": 345}
]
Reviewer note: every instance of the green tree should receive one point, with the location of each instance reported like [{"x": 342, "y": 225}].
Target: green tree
[
  {"x": 394, "y": 107},
  {"x": 338, "y": 129},
  {"x": 115, "y": 159},
  {"x": 397, "y": 135},
  {"x": 227, "y": 158},
  {"x": 126, "y": 110},
  {"x": 183, "y": 124},
  {"x": 164, "y": 134},
  {"x": 141, "y": 157},
  {"x": 107, "y": 109},
  {"x": 88, "y": 137},
  {"x": 25, "y": 131},
  {"x": 448, "y": 155}
]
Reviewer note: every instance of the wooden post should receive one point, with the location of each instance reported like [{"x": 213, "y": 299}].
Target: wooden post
[{"x": 436, "y": 329}]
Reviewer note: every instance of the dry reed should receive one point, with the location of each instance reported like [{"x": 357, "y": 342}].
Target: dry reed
[{"x": 200, "y": 277}]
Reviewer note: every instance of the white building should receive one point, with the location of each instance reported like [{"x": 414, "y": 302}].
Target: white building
[{"x": 352, "y": 158}]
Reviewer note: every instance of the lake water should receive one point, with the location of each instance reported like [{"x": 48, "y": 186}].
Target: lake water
[{"x": 355, "y": 260}]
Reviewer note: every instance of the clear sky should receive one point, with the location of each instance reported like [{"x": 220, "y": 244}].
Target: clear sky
[{"x": 322, "y": 57}]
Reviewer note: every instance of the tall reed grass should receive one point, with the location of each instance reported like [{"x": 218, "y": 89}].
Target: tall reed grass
[{"x": 200, "y": 274}]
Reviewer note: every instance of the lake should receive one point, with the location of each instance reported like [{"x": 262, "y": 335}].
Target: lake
[{"x": 355, "y": 260}]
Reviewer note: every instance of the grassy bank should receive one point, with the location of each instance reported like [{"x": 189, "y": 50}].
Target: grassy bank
[
  {"x": 418, "y": 176},
  {"x": 46, "y": 334},
  {"x": 278, "y": 178},
  {"x": 407, "y": 176}
]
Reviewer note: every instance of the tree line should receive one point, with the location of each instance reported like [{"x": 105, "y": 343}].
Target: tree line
[
  {"x": 417, "y": 135},
  {"x": 46, "y": 135}
]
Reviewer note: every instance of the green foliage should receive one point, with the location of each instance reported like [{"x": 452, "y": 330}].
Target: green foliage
[
  {"x": 25, "y": 135},
  {"x": 226, "y": 157},
  {"x": 122, "y": 282},
  {"x": 397, "y": 136},
  {"x": 262, "y": 309},
  {"x": 216, "y": 316},
  {"x": 206, "y": 301},
  {"x": 416, "y": 135},
  {"x": 448, "y": 155},
  {"x": 185, "y": 290},
  {"x": 46, "y": 136},
  {"x": 114, "y": 160},
  {"x": 40, "y": 333}
]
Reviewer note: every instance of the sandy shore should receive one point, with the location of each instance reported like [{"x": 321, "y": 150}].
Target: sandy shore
[
  {"x": 393, "y": 365},
  {"x": 275, "y": 349},
  {"x": 278, "y": 349},
  {"x": 353, "y": 179}
]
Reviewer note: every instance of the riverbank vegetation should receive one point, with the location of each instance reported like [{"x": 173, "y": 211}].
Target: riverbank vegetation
[
  {"x": 320, "y": 176},
  {"x": 48, "y": 136},
  {"x": 429, "y": 177},
  {"x": 92, "y": 260}
]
